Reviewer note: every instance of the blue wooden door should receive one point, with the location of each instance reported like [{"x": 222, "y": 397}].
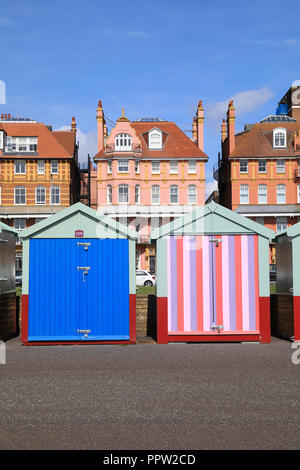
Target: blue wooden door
[{"x": 78, "y": 290}]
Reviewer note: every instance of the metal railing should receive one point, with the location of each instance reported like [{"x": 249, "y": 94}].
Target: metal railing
[{"x": 111, "y": 148}]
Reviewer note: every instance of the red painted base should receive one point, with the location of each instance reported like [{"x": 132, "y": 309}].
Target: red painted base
[
  {"x": 162, "y": 320},
  {"x": 297, "y": 318},
  {"x": 264, "y": 319}
]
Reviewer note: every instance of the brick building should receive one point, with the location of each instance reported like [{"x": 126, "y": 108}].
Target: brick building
[
  {"x": 39, "y": 171},
  {"x": 148, "y": 173},
  {"x": 258, "y": 173}
]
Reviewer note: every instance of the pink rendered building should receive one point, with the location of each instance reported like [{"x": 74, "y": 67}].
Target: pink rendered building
[{"x": 148, "y": 173}]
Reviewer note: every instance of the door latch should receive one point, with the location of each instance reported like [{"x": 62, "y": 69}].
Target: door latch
[
  {"x": 85, "y": 270},
  {"x": 85, "y": 332},
  {"x": 216, "y": 241},
  {"x": 217, "y": 327},
  {"x": 85, "y": 244}
]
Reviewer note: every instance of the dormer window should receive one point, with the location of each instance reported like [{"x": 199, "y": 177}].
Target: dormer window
[
  {"x": 279, "y": 138},
  {"x": 155, "y": 139},
  {"x": 123, "y": 142}
]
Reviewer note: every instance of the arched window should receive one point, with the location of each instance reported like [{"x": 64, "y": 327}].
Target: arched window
[
  {"x": 244, "y": 194},
  {"x": 40, "y": 195},
  {"x": 109, "y": 194},
  {"x": 123, "y": 193},
  {"x": 192, "y": 194},
  {"x": 262, "y": 194},
  {"x": 279, "y": 138},
  {"x": 155, "y": 194},
  {"x": 123, "y": 142},
  {"x": 281, "y": 195},
  {"x": 174, "y": 194},
  {"x": 137, "y": 193}
]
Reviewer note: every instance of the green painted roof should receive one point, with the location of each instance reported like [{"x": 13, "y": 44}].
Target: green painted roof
[
  {"x": 234, "y": 223},
  {"x": 64, "y": 214},
  {"x": 292, "y": 231},
  {"x": 8, "y": 229}
]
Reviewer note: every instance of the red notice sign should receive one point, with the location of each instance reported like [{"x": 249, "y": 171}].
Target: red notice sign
[{"x": 79, "y": 233}]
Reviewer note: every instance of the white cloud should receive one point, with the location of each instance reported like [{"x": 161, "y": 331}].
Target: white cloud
[
  {"x": 244, "y": 102},
  {"x": 87, "y": 143},
  {"x": 210, "y": 186}
]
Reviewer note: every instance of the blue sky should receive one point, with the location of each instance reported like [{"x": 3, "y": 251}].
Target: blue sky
[{"x": 154, "y": 58}]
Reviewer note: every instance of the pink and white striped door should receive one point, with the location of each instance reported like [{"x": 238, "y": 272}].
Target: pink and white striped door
[{"x": 213, "y": 281}]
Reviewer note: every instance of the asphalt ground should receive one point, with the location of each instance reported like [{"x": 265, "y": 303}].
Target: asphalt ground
[{"x": 149, "y": 396}]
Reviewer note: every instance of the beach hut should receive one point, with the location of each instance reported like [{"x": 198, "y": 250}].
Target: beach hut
[{"x": 213, "y": 277}]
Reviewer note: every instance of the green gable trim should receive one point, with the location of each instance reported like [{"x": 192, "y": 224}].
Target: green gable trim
[
  {"x": 84, "y": 217},
  {"x": 7, "y": 228},
  {"x": 212, "y": 218}
]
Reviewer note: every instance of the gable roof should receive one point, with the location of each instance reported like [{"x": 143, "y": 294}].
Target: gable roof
[
  {"x": 7, "y": 228},
  {"x": 177, "y": 144},
  {"x": 74, "y": 209},
  {"x": 233, "y": 223},
  {"x": 50, "y": 144},
  {"x": 258, "y": 141}
]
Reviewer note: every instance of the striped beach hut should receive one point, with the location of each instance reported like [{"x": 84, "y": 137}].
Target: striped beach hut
[{"x": 213, "y": 277}]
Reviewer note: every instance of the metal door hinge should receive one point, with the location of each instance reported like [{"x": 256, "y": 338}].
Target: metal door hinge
[
  {"x": 85, "y": 244},
  {"x": 217, "y": 327},
  {"x": 85, "y": 270},
  {"x": 85, "y": 332},
  {"x": 216, "y": 241}
]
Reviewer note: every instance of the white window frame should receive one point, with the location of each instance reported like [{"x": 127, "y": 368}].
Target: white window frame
[
  {"x": 155, "y": 198},
  {"x": 109, "y": 167},
  {"x": 173, "y": 187},
  {"x": 17, "y": 226},
  {"x": 276, "y": 132},
  {"x": 123, "y": 166},
  {"x": 37, "y": 189},
  {"x": 194, "y": 195},
  {"x": 20, "y": 187},
  {"x": 192, "y": 167},
  {"x": 41, "y": 167},
  {"x": 262, "y": 194},
  {"x": 137, "y": 194},
  {"x": 16, "y": 165},
  {"x": 281, "y": 223},
  {"x": 109, "y": 194},
  {"x": 52, "y": 167},
  {"x": 155, "y": 167},
  {"x": 123, "y": 186},
  {"x": 280, "y": 195},
  {"x": 260, "y": 162},
  {"x": 123, "y": 143},
  {"x": 174, "y": 170},
  {"x": 244, "y": 162},
  {"x": 245, "y": 188},
  {"x": 158, "y": 143},
  {"x": 137, "y": 166},
  {"x": 282, "y": 170},
  {"x": 52, "y": 195}
]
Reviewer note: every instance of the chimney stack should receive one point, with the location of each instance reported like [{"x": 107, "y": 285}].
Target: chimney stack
[
  {"x": 73, "y": 125},
  {"x": 194, "y": 129},
  {"x": 200, "y": 121},
  {"x": 100, "y": 126},
  {"x": 223, "y": 130},
  {"x": 231, "y": 127}
]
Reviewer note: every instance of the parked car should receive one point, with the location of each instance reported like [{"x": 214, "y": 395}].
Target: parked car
[
  {"x": 18, "y": 278},
  {"x": 144, "y": 278}
]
